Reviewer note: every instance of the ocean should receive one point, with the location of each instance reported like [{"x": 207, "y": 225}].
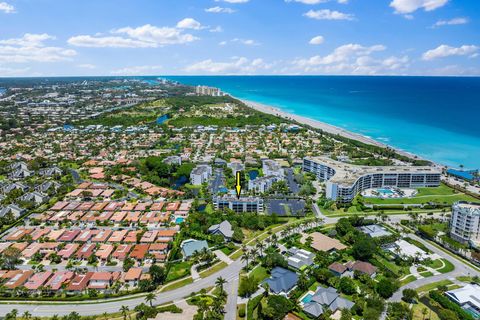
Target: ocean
[{"x": 437, "y": 118}]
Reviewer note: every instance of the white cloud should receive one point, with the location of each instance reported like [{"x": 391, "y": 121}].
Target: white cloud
[
  {"x": 237, "y": 65},
  {"x": 317, "y": 40},
  {"x": 454, "y": 21},
  {"x": 7, "y": 8},
  {"x": 443, "y": 51},
  {"x": 352, "y": 59},
  {"x": 87, "y": 66},
  {"x": 189, "y": 23},
  {"x": 137, "y": 70},
  {"x": 216, "y": 29},
  {"x": 409, "y": 6},
  {"x": 233, "y": 1},
  {"x": 13, "y": 72},
  {"x": 247, "y": 42},
  {"x": 112, "y": 42},
  {"x": 32, "y": 47},
  {"x": 310, "y": 2},
  {"x": 146, "y": 36},
  {"x": 341, "y": 54},
  {"x": 326, "y": 14},
  {"x": 218, "y": 9}
]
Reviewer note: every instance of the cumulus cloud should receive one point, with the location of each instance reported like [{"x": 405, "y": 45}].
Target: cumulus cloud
[
  {"x": 32, "y": 47},
  {"x": 7, "y": 8},
  {"x": 443, "y": 51},
  {"x": 247, "y": 42},
  {"x": 189, "y": 23},
  {"x": 315, "y": 1},
  {"x": 87, "y": 66},
  {"x": 233, "y": 1},
  {"x": 451, "y": 22},
  {"x": 409, "y": 6},
  {"x": 137, "y": 70},
  {"x": 317, "y": 40},
  {"x": 218, "y": 9},
  {"x": 237, "y": 65},
  {"x": 352, "y": 59},
  {"x": 326, "y": 14},
  {"x": 341, "y": 54},
  {"x": 146, "y": 36},
  {"x": 13, "y": 72}
]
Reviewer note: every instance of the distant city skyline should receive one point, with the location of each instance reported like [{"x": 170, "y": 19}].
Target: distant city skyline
[{"x": 222, "y": 37}]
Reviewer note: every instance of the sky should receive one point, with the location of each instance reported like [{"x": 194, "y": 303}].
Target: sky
[{"x": 223, "y": 37}]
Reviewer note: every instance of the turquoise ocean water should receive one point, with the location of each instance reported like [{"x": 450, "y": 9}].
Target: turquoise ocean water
[{"x": 437, "y": 118}]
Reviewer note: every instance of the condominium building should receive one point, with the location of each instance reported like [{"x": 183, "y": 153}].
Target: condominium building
[
  {"x": 344, "y": 181},
  {"x": 244, "y": 204},
  {"x": 272, "y": 168},
  {"x": 465, "y": 222},
  {"x": 262, "y": 184},
  {"x": 200, "y": 174},
  {"x": 208, "y": 91}
]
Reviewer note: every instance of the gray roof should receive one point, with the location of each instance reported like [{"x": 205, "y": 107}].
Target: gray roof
[
  {"x": 282, "y": 280},
  {"x": 341, "y": 303},
  {"x": 224, "y": 228},
  {"x": 313, "y": 308},
  {"x": 374, "y": 230},
  {"x": 191, "y": 245},
  {"x": 326, "y": 298}
]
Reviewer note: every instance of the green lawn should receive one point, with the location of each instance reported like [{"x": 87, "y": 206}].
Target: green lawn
[
  {"x": 441, "y": 194},
  {"x": 447, "y": 268},
  {"x": 434, "y": 285},
  {"x": 260, "y": 273},
  {"x": 426, "y": 274},
  {"x": 212, "y": 270},
  {"x": 177, "y": 284},
  {"x": 178, "y": 270},
  {"x": 408, "y": 279}
]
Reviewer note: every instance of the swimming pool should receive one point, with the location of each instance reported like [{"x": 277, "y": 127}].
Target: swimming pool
[
  {"x": 385, "y": 191},
  {"x": 179, "y": 220},
  {"x": 307, "y": 298}
]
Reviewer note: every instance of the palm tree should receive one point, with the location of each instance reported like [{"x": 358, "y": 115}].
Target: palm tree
[
  {"x": 220, "y": 282},
  {"x": 260, "y": 246},
  {"x": 150, "y": 298},
  {"x": 246, "y": 257},
  {"x": 27, "y": 315},
  {"x": 124, "y": 310},
  {"x": 105, "y": 316}
]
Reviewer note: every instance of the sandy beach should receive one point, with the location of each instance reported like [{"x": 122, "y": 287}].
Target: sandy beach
[{"x": 323, "y": 126}]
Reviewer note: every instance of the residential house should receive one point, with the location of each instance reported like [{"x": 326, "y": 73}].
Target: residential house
[
  {"x": 223, "y": 229},
  {"x": 281, "y": 281}
]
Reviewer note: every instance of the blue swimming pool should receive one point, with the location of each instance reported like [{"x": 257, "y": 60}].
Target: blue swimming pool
[
  {"x": 385, "y": 191},
  {"x": 179, "y": 220},
  {"x": 307, "y": 298}
]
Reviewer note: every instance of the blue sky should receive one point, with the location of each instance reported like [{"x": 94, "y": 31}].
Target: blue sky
[{"x": 166, "y": 37}]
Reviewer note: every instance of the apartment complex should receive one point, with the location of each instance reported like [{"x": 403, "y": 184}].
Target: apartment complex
[
  {"x": 208, "y": 91},
  {"x": 465, "y": 222},
  {"x": 344, "y": 181},
  {"x": 246, "y": 204},
  {"x": 200, "y": 174}
]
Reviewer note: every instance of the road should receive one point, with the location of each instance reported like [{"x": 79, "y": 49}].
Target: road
[
  {"x": 230, "y": 273},
  {"x": 461, "y": 269}
]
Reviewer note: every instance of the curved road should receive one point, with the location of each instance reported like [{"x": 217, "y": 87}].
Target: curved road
[
  {"x": 461, "y": 269},
  {"x": 94, "y": 308},
  {"x": 230, "y": 273}
]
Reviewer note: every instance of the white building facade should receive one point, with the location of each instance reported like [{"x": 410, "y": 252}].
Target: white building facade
[
  {"x": 465, "y": 222},
  {"x": 344, "y": 181}
]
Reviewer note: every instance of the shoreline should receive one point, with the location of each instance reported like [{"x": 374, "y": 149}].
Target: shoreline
[{"x": 328, "y": 128}]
